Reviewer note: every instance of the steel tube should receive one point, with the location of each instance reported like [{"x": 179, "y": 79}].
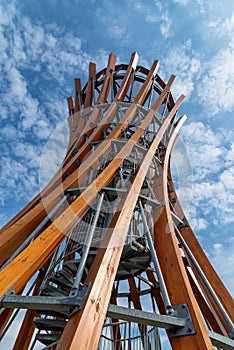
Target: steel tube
[{"x": 165, "y": 296}]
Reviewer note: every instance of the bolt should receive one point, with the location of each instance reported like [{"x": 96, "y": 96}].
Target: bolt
[{"x": 190, "y": 329}]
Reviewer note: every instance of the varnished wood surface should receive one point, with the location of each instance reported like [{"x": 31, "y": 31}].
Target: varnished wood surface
[{"x": 174, "y": 272}]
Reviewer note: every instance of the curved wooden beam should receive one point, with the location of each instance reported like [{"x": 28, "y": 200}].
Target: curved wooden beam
[
  {"x": 200, "y": 256},
  {"x": 173, "y": 268}
]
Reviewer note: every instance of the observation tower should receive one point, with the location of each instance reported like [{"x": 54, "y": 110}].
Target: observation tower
[{"x": 104, "y": 257}]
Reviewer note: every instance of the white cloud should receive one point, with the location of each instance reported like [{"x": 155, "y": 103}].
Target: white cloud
[
  {"x": 224, "y": 265},
  {"x": 201, "y": 5},
  {"x": 212, "y": 188},
  {"x": 181, "y": 2},
  {"x": 165, "y": 27},
  {"x": 36, "y": 60},
  {"x": 154, "y": 13},
  {"x": 215, "y": 90},
  {"x": 199, "y": 223},
  {"x": 9, "y": 132},
  {"x": 146, "y": 11},
  {"x": 185, "y": 64},
  {"x": 222, "y": 28},
  {"x": 227, "y": 178}
]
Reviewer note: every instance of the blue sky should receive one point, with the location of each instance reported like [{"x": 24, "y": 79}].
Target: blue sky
[{"x": 45, "y": 44}]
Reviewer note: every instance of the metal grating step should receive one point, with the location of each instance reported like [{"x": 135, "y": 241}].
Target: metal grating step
[
  {"x": 134, "y": 260},
  {"x": 62, "y": 279},
  {"x": 71, "y": 265},
  {"x": 47, "y": 339},
  {"x": 54, "y": 313},
  {"x": 51, "y": 346},
  {"x": 49, "y": 324},
  {"x": 53, "y": 292}
]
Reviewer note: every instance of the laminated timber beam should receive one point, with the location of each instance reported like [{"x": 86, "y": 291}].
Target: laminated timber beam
[
  {"x": 90, "y": 86},
  {"x": 173, "y": 270},
  {"x": 201, "y": 258}
]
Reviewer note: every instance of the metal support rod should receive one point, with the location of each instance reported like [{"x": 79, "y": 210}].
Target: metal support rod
[
  {"x": 34, "y": 233},
  {"x": 86, "y": 249},
  {"x": 165, "y": 107},
  {"x": 204, "y": 279},
  {"x": 165, "y": 296},
  {"x": 151, "y": 93}
]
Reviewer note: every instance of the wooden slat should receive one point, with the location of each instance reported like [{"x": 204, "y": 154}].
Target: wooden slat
[
  {"x": 78, "y": 98},
  {"x": 88, "y": 98},
  {"x": 71, "y": 106},
  {"x": 211, "y": 275},
  {"x": 89, "y": 92},
  {"x": 102, "y": 98},
  {"x": 74, "y": 118}
]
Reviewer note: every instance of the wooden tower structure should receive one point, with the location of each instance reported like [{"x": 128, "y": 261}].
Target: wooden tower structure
[{"x": 104, "y": 257}]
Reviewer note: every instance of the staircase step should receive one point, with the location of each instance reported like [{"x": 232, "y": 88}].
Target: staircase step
[
  {"x": 49, "y": 324},
  {"x": 51, "y": 346},
  {"x": 53, "y": 292},
  {"x": 62, "y": 278},
  {"x": 54, "y": 313},
  {"x": 71, "y": 265},
  {"x": 47, "y": 339}
]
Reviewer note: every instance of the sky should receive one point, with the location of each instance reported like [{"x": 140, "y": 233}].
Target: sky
[{"x": 45, "y": 44}]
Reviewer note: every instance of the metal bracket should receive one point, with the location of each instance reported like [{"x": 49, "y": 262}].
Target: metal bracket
[
  {"x": 184, "y": 223},
  {"x": 182, "y": 311},
  {"x": 81, "y": 295}
]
